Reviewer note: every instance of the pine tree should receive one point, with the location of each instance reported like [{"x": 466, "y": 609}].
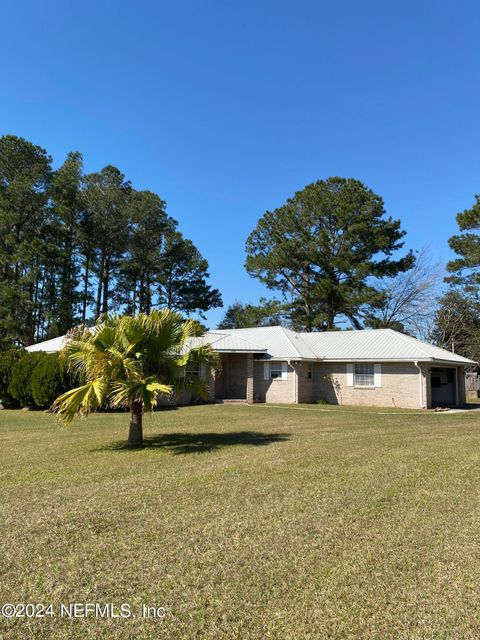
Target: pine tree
[
  {"x": 106, "y": 199},
  {"x": 266, "y": 314},
  {"x": 75, "y": 246},
  {"x": 322, "y": 247},
  {"x": 183, "y": 278},
  {"x": 466, "y": 268},
  {"x": 68, "y": 209},
  {"x": 148, "y": 228},
  {"x": 25, "y": 173}
]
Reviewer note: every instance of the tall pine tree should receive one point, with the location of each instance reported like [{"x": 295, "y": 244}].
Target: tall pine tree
[
  {"x": 465, "y": 269},
  {"x": 73, "y": 247},
  {"x": 182, "y": 284},
  {"x": 106, "y": 199},
  {"x": 25, "y": 172},
  {"x": 321, "y": 248},
  {"x": 148, "y": 229},
  {"x": 68, "y": 208}
]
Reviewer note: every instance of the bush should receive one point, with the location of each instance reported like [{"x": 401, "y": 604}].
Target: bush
[
  {"x": 7, "y": 361},
  {"x": 49, "y": 380},
  {"x": 20, "y": 386}
]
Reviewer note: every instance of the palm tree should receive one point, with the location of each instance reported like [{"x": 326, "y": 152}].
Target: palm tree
[{"x": 130, "y": 361}]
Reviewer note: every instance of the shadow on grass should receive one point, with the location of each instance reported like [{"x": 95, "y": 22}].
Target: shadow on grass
[{"x": 179, "y": 443}]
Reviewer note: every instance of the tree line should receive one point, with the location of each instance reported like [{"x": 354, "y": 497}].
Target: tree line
[{"x": 74, "y": 246}]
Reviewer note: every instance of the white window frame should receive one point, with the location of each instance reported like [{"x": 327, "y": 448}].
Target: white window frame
[
  {"x": 276, "y": 371},
  {"x": 279, "y": 366},
  {"x": 377, "y": 375},
  {"x": 370, "y": 375}
]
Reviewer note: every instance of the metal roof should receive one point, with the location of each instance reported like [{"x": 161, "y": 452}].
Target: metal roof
[
  {"x": 365, "y": 344},
  {"x": 49, "y": 346},
  {"x": 279, "y": 343},
  {"x": 226, "y": 341},
  {"x": 376, "y": 344}
]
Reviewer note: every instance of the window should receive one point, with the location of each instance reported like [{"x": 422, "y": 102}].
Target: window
[
  {"x": 364, "y": 375},
  {"x": 193, "y": 370},
  {"x": 310, "y": 371},
  {"x": 275, "y": 371}
]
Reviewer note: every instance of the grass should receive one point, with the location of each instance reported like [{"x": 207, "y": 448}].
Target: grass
[{"x": 245, "y": 522}]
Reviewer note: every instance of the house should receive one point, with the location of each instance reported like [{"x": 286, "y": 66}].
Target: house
[{"x": 378, "y": 367}]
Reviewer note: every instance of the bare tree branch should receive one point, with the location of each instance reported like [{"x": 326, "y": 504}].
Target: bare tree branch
[{"x": 410, "y": 298}]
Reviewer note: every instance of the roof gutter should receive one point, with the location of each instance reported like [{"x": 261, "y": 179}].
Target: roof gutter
[{"x": 239, "y": 350}]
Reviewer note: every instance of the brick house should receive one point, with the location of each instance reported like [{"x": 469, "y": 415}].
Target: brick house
[{"x": 378, "y": 367}]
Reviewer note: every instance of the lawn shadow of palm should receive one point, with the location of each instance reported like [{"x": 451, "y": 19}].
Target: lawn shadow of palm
[{"x": 179, "y": 443}]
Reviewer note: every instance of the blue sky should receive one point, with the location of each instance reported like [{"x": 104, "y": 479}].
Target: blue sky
[{"x": 225, "y": 109}]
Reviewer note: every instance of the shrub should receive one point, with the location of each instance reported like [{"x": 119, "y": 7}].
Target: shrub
[
  {"x": 38, "y": 378},
  {"x": 20, "y": 386},
  {"x": 7, "y": 361},
  {"x": 49, "y": 380}
]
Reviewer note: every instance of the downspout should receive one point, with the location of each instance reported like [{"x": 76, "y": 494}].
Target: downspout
[{"x": 420, "y": 379}]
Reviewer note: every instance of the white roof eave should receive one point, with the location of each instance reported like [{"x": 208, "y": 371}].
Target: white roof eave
[{"x": 261, "y": 351}]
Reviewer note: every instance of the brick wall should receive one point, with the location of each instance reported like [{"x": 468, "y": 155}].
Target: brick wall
[
  {"x": 307, "y": 390},
  {"x": 399, "y": 387},
  {"x": 400, "y": 384},
  {"x": 274, "y": 391}
]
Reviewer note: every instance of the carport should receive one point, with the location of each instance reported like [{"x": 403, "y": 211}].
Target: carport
[{"x": 444, "y": 386}]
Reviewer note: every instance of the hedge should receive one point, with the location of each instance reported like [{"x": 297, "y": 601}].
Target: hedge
[
  {"x": 21, "y": 382},
  {"x": 7, "y": 362},
  {"x": 49, "y": 380},
  {"x": 38, "y": 378}
]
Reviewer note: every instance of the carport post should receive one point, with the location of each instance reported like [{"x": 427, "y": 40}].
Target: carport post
[
  {"x": 420, "y": 382},
  {"x": 457, "y": 370},
  {"x": 250, "y": 394}
]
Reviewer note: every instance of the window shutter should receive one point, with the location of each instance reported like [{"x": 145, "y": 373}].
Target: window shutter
[
  {"x": 284, "y": 371},
  {"x": 378, "y": 375},
  {"x": 266, "y": 371},
  {"x": 203, "y": 371},
  {"x": 349, "y": 375}
]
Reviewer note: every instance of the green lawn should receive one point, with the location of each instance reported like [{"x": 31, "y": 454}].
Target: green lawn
[{"x": 245, "y": 522}]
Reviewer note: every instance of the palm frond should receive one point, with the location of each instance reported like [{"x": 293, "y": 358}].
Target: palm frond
[
  {"x": 204, "y": 354},
  {"x": 80, "y": 401},
  {"x": 194, "y": 385},
  {"x": 124, "y": 393},
  {"x": 128, "y": 360}
]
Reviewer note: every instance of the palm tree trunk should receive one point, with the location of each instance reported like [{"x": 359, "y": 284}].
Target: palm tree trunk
[{"x": 135, "y": 434}]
